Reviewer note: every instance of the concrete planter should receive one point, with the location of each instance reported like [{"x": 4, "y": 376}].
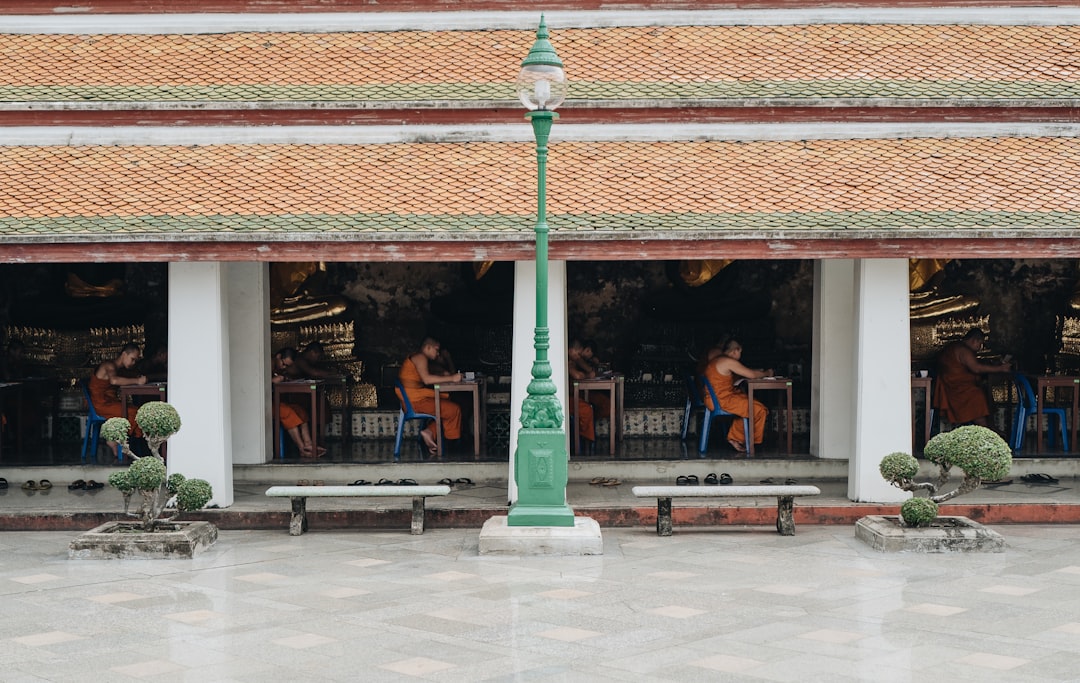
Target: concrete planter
[
  {"x": 945, "y": 534},
  {"x": 124, "y": 540}
]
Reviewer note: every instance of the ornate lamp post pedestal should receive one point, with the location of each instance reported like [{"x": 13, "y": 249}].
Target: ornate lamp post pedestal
[{"x": 540, "y": 521}]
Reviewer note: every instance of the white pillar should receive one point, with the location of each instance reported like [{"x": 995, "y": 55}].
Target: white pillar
[
  {"x": 882, "y": 416},
  {"x": 524, "y": 353},
  {"x": 248, "y": 306},
  {"x": 833, "y": 374},
  {"x": 199, "y": 376}
]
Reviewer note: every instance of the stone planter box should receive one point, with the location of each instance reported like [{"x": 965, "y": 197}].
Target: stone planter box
[
  {"x": 946, "y": 534},
  {"x": 123, "y": 540}
]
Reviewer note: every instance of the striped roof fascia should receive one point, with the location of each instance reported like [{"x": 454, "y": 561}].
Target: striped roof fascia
[
  {"x": 444, "y": 186},
  {"x": 999, "y": 58}
]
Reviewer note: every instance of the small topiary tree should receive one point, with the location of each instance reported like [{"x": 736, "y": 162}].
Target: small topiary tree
[
  {"x": 978, "y": 451},
  {"x": 148, "y": 475}
]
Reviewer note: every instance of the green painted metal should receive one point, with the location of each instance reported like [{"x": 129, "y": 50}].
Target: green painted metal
[{"x": 540, "y": 459}]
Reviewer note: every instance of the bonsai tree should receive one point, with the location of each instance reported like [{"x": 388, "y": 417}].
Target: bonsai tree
[
  {"x": 978, "y": 451},
  {"x": 148, "y": 475}
]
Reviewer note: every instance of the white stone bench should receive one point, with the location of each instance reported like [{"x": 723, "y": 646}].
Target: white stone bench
[
  {"x": 785, "y": 500},
  {"x": 299, "y": 495}
]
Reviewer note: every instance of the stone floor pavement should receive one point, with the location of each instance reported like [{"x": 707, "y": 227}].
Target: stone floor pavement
[{"x": 704, "y": 605}]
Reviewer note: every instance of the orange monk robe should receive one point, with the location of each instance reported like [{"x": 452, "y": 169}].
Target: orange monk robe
[
  {"x": 958, "y": 393},
  {"x": 599, "y": 403},
  {"x": 422, "y": 398},
  {"x": 736, "y": 403},
  {"x": 107, "y": 403},
  {"x": 291, "y": 415}
]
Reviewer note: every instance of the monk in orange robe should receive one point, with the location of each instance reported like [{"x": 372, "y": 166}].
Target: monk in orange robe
[
  {"x": 958, "y": 393},
  {"x": 102, "y": 387},
  {"x": 416, "y": 377},
  {"x": 723, "y": 368},
  {"x": 580, "y": 366},
  {"x": 292, "y": 417}
]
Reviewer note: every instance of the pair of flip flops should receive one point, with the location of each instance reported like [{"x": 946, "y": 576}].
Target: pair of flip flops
[
  {"x": 724, "y": 479},
  {"x": 769, "y": 480},
  {"x": 1039, "y": 479},
  {"x": 604, "y": 481},
  {"x": 687, "y": 480},
  {"x": 305, "y": 482},
  {"x": 43, "y": 485},
  {"x": 399, "y": 482},
  {"x": 460, "y": 481},
  {"x": 80, "y": 485}
]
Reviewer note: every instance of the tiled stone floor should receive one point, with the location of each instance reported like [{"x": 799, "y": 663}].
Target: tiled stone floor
[{"x": 704, "y": 605}]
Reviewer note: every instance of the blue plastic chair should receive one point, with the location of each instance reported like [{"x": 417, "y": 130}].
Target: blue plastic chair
[
  {"x": 693, "y": 402},
  {"x": 405, "y": 414},
  {"x": 715, "y": 412},
  {"x": 93, "y": 425},
  {"x": 1026, "y": 407}
]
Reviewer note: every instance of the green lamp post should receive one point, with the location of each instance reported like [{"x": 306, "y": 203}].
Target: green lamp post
[{"x": 540, "y": 461}]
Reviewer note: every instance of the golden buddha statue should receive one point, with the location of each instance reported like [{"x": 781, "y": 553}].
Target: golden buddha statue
[
  {"x": 927, "y": 302},
  {"x": 296, "y": 293},
  {"x": 697, "y": 272}
]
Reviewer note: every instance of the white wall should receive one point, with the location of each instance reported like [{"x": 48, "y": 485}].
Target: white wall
[
  {"x": 833, "y": 351},
  {"x": 248, "y": 299}
]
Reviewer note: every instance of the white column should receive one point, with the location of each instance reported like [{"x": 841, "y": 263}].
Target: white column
[
  {"x": 248, "y": 305},
  {"x": 199, "y": 376},
  {"x": 882, "y": 416},
  {"x": 833, "y": 374},
  {"x": 524, "y": 353}
]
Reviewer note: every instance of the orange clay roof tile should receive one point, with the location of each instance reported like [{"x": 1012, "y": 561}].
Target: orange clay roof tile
[
  {"x": 594, "y": 186},
  {"x": 676, "y": 62}
]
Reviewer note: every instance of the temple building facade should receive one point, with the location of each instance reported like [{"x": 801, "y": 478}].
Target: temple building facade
[{"x": 845, "y": 188}]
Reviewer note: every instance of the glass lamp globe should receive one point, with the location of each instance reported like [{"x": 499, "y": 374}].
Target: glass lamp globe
[{"x": 541, "y": 86}]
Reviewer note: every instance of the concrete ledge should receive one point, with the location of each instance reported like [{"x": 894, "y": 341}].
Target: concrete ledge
[
  {"x": 497, "y": 537},
  {"x": 950, "y": 534}
]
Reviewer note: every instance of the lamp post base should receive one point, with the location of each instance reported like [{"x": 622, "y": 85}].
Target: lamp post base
[{"x": 499, "y": 538}]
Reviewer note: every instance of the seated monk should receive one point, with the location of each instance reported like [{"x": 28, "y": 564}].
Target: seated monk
[
  {"x": 581, "y": 364},
  {"x": 724, "y": 366},
  {"x": 102, "y": 386},
  {"x": 293, "y": 417},
  {"x": 958, "y": 392},
  {"x": 416, "y": 377}
]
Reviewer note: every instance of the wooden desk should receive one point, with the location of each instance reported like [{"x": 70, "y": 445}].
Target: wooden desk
[
  {"x": 923, "y": 384},
  {"x": 157, "y": 391},
  {"x": 316, "y": 390},
  {"x": 773, "y": 384},
  {"x": 479, "y": 398},
  {"x": 613, "y": 384},
  {"x": 1041, "y": 384}
]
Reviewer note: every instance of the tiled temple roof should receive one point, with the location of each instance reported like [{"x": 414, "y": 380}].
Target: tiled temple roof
[
  {"x": 620, "y": 64},
  {"x": 486, "y": 190}
]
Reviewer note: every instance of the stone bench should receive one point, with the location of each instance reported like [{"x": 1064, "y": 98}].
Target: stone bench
[
  {"x": 785, "y": 500},
  {"x": 299, "y": 495}
]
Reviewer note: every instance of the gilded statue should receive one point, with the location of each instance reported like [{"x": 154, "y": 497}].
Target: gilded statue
[
  {"x": 927, "y": 302},
  {"x": 297, "y": 296},
  {"x": 698, "y": 272}
]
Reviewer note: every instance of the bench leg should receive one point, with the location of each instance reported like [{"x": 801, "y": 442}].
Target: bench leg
[
  {"x": 417, "y": 515},
  {"x": 785, "y": 518},
  {"x": 298, "y": 523},
  {"x": 663, "y": 516}
]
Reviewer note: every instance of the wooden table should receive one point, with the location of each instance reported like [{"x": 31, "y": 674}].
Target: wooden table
[
  {"x": 157, "y": 391},
  {"x": 479, "y": 397},
  {"x": 613, "y": 384},
  {"x": 316, "y": 390},
  {"x": 1041, "y": 384},
  {"x": 923, "y": 384},
  {"x": 767, "y": 384}
]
